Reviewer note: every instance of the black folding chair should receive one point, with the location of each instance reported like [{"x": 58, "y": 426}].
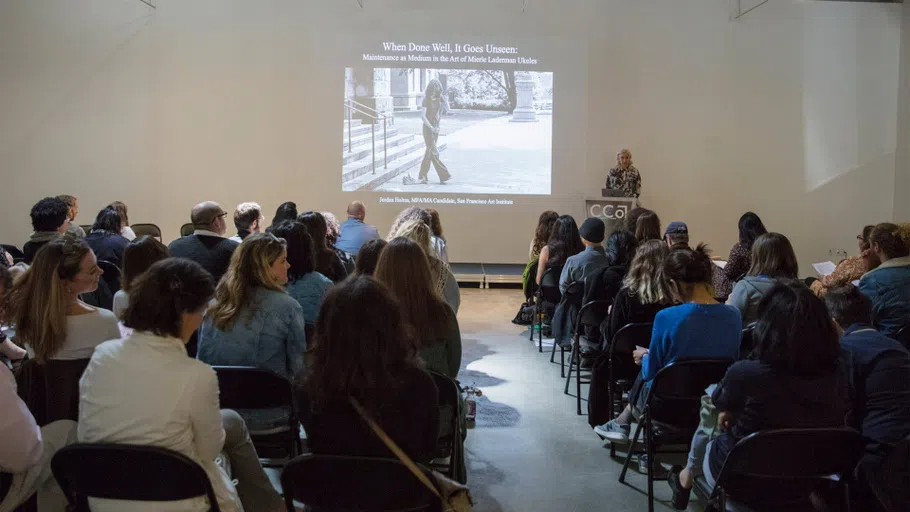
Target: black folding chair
[
  {"x": 246, "y": 387},
  {"x": 674, "y": 402},
  {"x": 589, "y": 319},
  {"x": 128, "y": 472},
  {"x": 111, "y": 275},
  {"x": 187, "y": 229},
  {"x": 622, "y": 369},
  {"x": 344, "y": 483},
  {"x": 151, "y": 230},
  {"x": 780, "y": 469},
  {"x": 548, "y": 296},
  {"x": 571, "y": 298},
  {"x": 450, "y": 442},
  {"x": 745, "y": 342},
  {"x": 15, "y": 252}
]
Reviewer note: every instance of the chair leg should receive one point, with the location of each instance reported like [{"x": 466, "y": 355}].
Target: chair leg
[
  {"x": 562, "y": 361},
  {"x": 649, "y": 431},
  {"x": 569, "y": 378},
  {"x": 539, "y": 330},
  {"x": 632, "y": 443},
  {"x": 578, "y": 385}
]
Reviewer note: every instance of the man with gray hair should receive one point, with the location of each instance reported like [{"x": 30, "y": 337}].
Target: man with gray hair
[
  {"x": 248, "y": 220},
  {"x": 354, "y": 232},
  {"x": 207, "y": 245}
]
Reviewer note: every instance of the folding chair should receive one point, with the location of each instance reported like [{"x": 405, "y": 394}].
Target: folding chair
[
  {"x": 572, "y": 298},
  {"x": 128, "y": 472},
  {"x": 780, "y": 469},
  {"x": 548, "y": 296},
  {"x": 151, "y": 230},
  {"x": 111, "y": 275},
  {"x": 345, "y": 483},
  {"x": 622, "y": 369},
  {"x": 590, "y": 315},
  {"x": 450, "y": 442},
  {"x": 745, "y": 342},
  {"x": 674, "y": 401},
  {"x": 246, "y": 387},
  {"x": 15, "y": 252},
  {"x": 187, "y": 229}
]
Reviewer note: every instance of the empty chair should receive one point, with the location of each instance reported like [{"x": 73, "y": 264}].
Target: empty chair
[
  {"x": 128, "y": 472},
  {"x": 589, "y": 319},
  {"x": 151, "y": 230},
  {"x": 187, "y": 229}
]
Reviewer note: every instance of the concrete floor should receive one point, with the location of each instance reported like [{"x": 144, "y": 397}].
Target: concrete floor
[{"x": 550, "y": 460}]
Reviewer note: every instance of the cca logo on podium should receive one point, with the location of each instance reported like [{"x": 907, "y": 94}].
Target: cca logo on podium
[{"x": 609, "y": 211}]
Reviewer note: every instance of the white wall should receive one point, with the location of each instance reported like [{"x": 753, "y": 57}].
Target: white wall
[
  {"x": 789, "y": 111},
  {"x": 902, "y": 169}
]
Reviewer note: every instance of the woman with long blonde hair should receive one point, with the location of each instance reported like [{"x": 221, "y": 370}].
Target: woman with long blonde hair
[
  {"x": 253, "y": 321},
  {"x": 44, "y": 306},
  {"x": 443, "y": 279},
  {"x": 404, "y": 269},
  {"x": 642, "y": 295}
]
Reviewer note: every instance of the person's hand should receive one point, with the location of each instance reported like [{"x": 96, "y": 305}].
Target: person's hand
[
  {"x": 638, "y": 354},
  {"x": 724, "y": 418}
]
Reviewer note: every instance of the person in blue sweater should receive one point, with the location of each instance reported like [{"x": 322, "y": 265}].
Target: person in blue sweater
[{"x": 698, "y": 328}]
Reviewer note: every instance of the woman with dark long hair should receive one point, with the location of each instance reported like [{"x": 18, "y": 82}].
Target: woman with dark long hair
[
  {"x": 327, "y": 261},
  {"x": 371, "y": 360},
  {"x": 542, "y": 233},
  {"x": 564, "y": 242},
  {"x": 740, "y": 258},
  {"x": 286, "y": 211},
  {"x": 307, "y": 286},
  {"x": 647, "y": 227},
  {"x": 772, "y": 259}
]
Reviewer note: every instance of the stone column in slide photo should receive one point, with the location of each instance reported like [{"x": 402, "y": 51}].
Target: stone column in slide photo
[
  {"x": 372, "y": 88},
  {"x": 524, "y": 109}
]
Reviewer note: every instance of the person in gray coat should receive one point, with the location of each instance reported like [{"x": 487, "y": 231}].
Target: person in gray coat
[{"x": 772, "y": 259}]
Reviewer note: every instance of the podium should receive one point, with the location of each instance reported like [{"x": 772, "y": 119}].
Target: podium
[{"x": 611, "y": 210}]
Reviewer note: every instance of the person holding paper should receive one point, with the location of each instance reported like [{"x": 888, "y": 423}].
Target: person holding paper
[
  {"x": 740, "y": 259},
  {"x": 848, "y": 270}
]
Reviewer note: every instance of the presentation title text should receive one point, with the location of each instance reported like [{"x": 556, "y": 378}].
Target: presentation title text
[{"x": 467, "y": 53}]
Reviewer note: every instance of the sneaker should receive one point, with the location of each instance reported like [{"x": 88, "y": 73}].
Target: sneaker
[
  {"x": 423, "y": 181},
  {"x": 613, "y": 431},
  {"x": 659, "y": 472},
  {"x": 681, "y": 496},
  {"x": 442, "y": 181}
]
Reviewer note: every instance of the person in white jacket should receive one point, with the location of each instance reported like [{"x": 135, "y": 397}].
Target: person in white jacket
[{"x": 145, "y": 390}]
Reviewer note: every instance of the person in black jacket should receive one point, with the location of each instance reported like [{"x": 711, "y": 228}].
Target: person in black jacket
[
  {"x": 207, "y": 245},
  {"x": 105, "y": 238},
  {"x": 641, "y": 295},
  {"x": 50, "y": 219}
]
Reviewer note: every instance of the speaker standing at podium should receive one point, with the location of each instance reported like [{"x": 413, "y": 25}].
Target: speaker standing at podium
[{"x": 624, "y": 179}]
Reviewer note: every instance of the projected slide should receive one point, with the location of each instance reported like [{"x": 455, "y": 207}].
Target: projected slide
[{"x": 436, "y": 130}]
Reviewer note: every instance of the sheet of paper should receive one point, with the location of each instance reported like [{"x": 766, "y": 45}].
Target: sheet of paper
[
  {"x": 856, "y": 283},
  {"x": 720, "y": 263},
  {"x": 824, "y": 268}
]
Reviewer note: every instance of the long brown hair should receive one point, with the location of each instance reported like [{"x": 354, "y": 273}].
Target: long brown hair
[
  {"x": 644, "y": 276},
  {"x": 249, "y": 269},
  {"x": 542, "y": 233},
  {"x": 647, "y": 227},
  {"x": 363, "y": 358},
  {"x": 404, "y": 269},
  {"x": 138, "y": 256},
  {"x": 435, "y": 223},
  {"x": 38, "y": 301},
  {"x": 773, "y": 256},
  {"x": 121, "y": 209}
]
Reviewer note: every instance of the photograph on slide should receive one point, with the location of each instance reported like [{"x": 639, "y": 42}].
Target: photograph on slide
[{"x": 467, "y": 131}]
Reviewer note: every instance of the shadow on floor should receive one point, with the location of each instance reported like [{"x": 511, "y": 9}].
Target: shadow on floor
[
  {"x": 482, "y": 475},
  {"x": 473, "y": 350}
]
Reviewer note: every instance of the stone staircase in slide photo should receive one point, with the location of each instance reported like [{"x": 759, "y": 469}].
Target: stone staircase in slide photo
[{"x": 405, "y": 152}]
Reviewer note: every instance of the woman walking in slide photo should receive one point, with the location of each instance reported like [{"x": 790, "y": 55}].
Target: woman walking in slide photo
[{"x": 433, "y": 103}]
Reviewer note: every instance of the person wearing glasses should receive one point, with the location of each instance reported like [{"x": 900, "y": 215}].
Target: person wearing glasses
[
  {"x": 848, "y": 270},
  {"x": 207, "y": 245}
]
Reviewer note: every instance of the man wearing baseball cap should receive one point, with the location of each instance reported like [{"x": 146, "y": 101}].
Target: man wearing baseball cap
[
  {"x": 592, "y": 259},
  {"x": 677, "y": 235}
]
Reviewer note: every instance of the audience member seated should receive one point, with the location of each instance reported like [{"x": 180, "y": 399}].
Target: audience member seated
[
  {"x": 772, "y": 259},
  {"x": 647, "y": 227},
  {"x": 564, "y": 243},
  {"x": 248, "y": 220},
  {"x": 371, "y": 360},
  {"x": 410, "y": 213},
  {"x": 105, "y": 238},
  {"x": 305, "y": 285},
  {"x": 6, "y": 259},
  {"x": 631, "y": 222},
  {"x": 620, "y": 250},
  {"x": 144, "y": 390},
  {"x": 541, "y": 236},
  {"x": 848, "y": 270},
  {"x": 44, "y": 306},
  {"x": 138, "y": 256},
  {"x": 740, "y": 259},
  {"x": 354, "y": 231},
  {"x": 793, "y": 379},
  {"x": 404, "y": 270},
  {"x": 26, "y": 452},
  {"x": 888, "y": 283},
  {"x": 443, "y": 279},
  {"x": 642, "y": 295},
  {"x": 126, "y": 231},
  {"x": 327, "y": 261},
  {"x": 8, "y": 349},
  {"x": 49, "y": 220},
  {"x": 253, "y": 321},
  {"x": 369, "y": 256},
  {"x": 881, "y": 373},
  {"x": 207, "y": 245},
  {"x": 437, "y": 240},
  {"x": 699, "y": 328},
  {"x": 333, "y": 231},
  {"x": 592, "y": 260},
  {"x": 286, "y": 211},
  {"x": 677, "y": 235},
  {"x": 72, "y": 204}
]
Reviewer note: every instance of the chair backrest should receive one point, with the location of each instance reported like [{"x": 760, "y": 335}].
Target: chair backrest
[
  {"x": 531, "y": 287},
  {"x": 622, "y": 366},
  {"x": 15, "y": 252},
  {"x": 187, "y": 229},
  {"x": 675, "y": 394},
  {"x": 51, "y": 390},
  {"x": 549, "y": 285},
  {"x": 902, "y": 336},
  {"x": 111, "y": 275},
  {"x": 785, "y": 465},
  {"x": 147, "y": 229},
  {"x": 328, "y": 482},
  {"x": 128, "y": 472},
  {"x": 745, "y": 342},
  {"x": 574, "y": 294},
  {"x": 449, "y": 399},
  {"x": 593, "y": 314},
  {"x": 86, "y": 227},
  {"x": 246, "y": 387}
]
